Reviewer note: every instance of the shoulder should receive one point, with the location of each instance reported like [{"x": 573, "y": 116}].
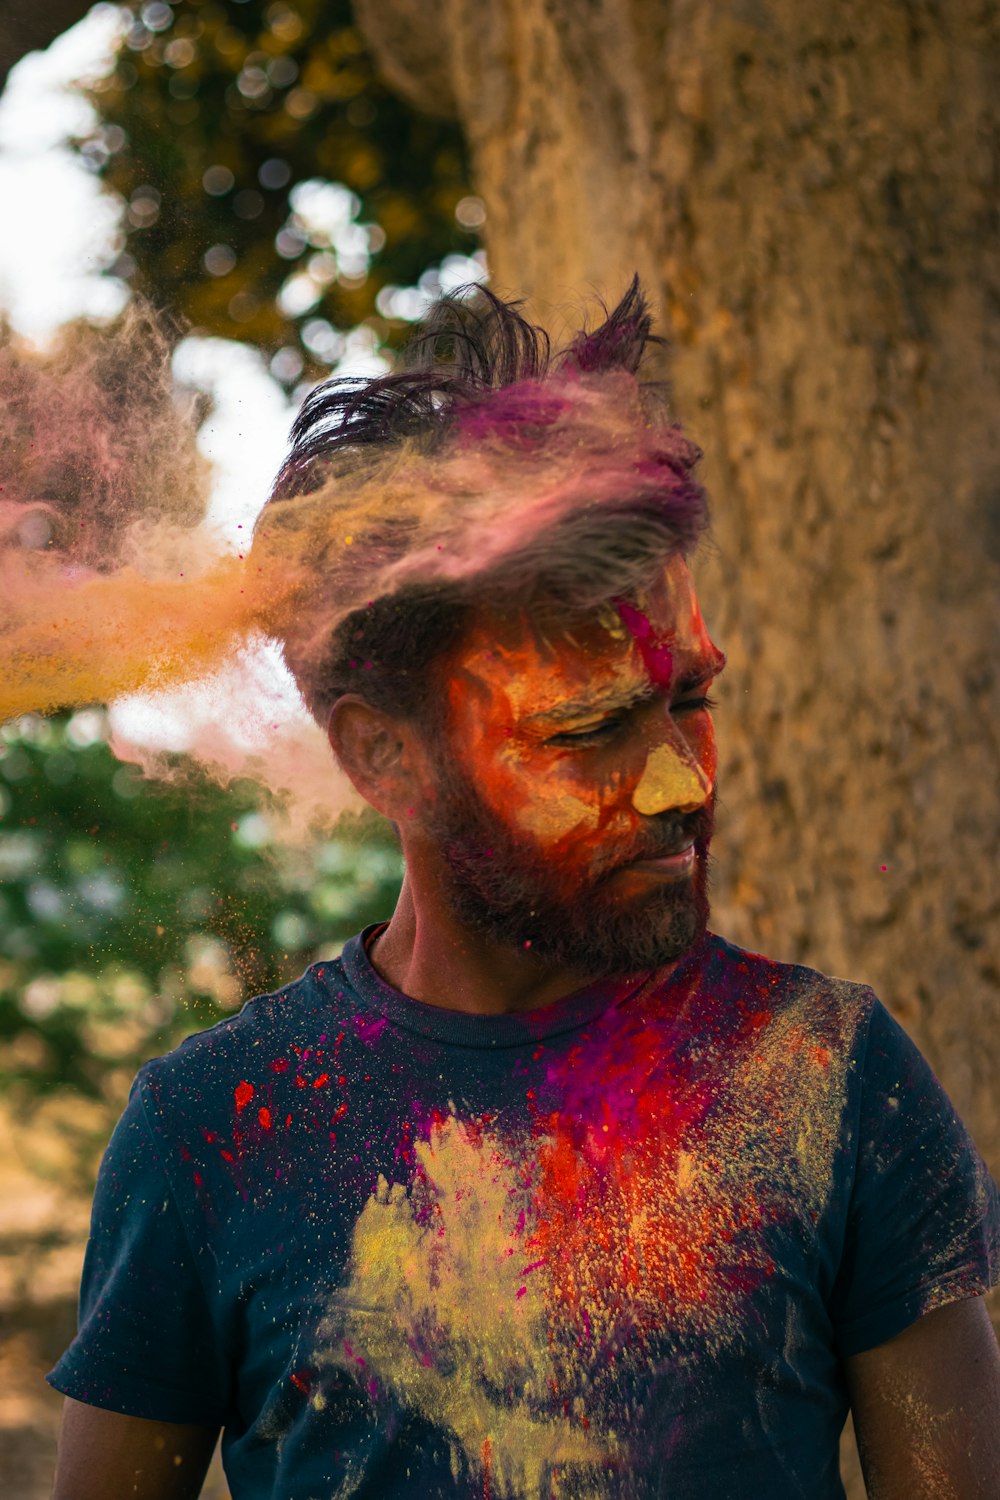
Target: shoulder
[
  {"x": 785, "y": 996},
  {"x": 207, "y": 1067}
]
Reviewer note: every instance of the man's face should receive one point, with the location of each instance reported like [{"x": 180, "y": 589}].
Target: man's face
[{"x": 575, "y": 782}]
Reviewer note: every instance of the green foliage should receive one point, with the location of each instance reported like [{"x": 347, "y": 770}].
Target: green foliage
[
  {"x": 252, "y": 143},
  {"x": 133, "y": 914}
]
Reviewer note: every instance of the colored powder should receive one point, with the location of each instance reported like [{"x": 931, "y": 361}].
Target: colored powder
[
  {"x": 670, "y": 781},
  {"x": 111, "y": 586},
  {"x": 657, "y": 657},
  {"x": 462, "y": 1325},
  {"x": 514, "y": 1280}
]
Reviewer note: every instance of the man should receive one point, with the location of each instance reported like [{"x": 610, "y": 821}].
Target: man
[{"x": 540, "y": 1189}]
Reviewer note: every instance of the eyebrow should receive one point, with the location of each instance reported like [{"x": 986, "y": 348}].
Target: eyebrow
[
  {"x": 590, "y": 708},
  {"x": 700, "y": 672}
]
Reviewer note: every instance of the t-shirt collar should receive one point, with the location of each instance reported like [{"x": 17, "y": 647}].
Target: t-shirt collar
[{"x": 459, "y": 1028}]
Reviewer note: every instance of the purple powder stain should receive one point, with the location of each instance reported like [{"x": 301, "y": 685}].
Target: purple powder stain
[
  {"x": 657, "y": 657},
  {"x": 370, "y": 1031}
]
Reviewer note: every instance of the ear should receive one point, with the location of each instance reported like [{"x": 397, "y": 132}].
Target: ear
[{"x": 378, "y": 754}]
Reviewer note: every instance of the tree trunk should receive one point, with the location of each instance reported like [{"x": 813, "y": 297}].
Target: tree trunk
[{"x": 810, "y": 195}]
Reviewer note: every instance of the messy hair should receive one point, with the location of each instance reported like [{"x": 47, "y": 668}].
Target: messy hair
[{"x": 486, "y": 471}]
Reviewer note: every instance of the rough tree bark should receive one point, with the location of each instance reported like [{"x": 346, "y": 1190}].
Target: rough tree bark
[{"x": 810, "y": 193}]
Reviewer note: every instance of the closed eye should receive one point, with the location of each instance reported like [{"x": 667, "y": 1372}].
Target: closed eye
[
  {"x": 606, "y": 730},
  {"x": 592, "y": 736},
  {"x": 686, "y": 705}
]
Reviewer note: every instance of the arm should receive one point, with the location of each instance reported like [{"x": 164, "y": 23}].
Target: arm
[
  {"x": 105, "y": 1456},
  {"x": 926, "y": 1408}
]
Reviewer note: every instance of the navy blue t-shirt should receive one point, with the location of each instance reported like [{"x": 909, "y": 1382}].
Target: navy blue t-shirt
[{"x": 616, "y": 1247}]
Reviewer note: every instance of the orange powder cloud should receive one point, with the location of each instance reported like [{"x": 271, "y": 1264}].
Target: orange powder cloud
[
  {"x": 110, "y": 584},
  {"x": 70, "y": 641},
  {"x": 106, "y": 582}
]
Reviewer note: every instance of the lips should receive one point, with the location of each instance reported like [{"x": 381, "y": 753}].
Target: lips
[
  {"x": 676, "y": 860},
  {"x": 655, "y": 857},
  {"x": 676, "y": 838},
  {"x": 680, "y": 863},
  {"x": 668, "y": 849}
]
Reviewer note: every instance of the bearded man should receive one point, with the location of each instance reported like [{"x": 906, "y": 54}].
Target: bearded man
[{"x": 540, "y": 1189}]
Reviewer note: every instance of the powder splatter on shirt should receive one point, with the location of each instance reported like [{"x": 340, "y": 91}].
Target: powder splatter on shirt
[{"x": 619, "y": 1244}]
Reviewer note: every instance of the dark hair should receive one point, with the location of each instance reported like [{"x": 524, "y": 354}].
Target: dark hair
[{"x": 478, "y": 378}]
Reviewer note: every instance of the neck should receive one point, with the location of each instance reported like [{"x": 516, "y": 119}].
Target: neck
[{"x": 426, "y": 953}]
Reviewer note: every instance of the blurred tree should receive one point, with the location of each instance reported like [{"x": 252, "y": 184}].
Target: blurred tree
[
  {"x": 274, "y": 187},
  {"x": 132, "y": 914}
]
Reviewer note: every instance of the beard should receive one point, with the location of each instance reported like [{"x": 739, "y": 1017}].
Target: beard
[{"x": 502, "y": 886}]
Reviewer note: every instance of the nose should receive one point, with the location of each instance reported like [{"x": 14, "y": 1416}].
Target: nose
[{"x": 671, "y": 781}]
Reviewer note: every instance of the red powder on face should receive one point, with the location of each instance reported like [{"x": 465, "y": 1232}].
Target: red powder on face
[{"x": 243, "y": 1093}]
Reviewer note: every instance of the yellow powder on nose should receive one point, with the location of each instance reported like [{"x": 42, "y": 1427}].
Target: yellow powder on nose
[{"x": 669, "y": 781}]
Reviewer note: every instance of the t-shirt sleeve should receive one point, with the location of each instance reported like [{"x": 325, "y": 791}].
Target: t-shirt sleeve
[
  {"x": 145, "y": 1344},
  {"x": 923, "y": 1224}
]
